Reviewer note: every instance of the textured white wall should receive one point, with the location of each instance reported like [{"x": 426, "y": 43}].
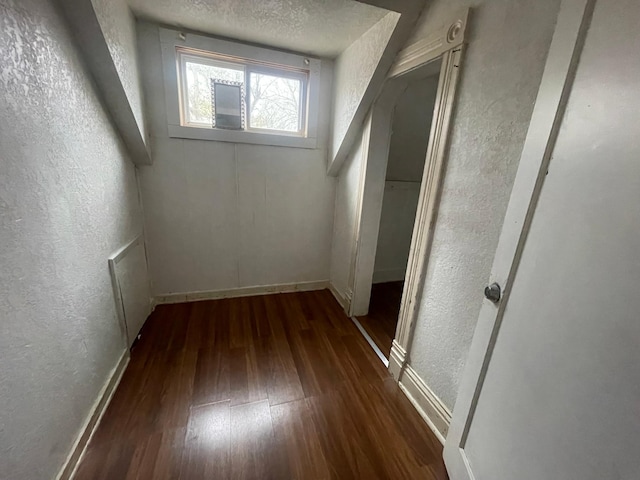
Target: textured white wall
[
  {"x": 68, "y": 200},
  {"x": 354, "y": 69},
  {"x": 396, "y": 228},
  {"x": 508, "y": 44},
  {"x": 344, "y": 224},
  {"x": 411, "y": 125},
  {"x": 222, "y": 215},
  {"x": 321, "y": 29},
  {"x": 407, "y": 151},
  {"x": 119, "y": 29}
]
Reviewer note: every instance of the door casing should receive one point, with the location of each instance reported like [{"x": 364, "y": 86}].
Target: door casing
[{"x": 442, "y": 49}]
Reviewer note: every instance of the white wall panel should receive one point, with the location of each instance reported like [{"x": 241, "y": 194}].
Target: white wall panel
[
  {"x": 396, "y": 227},
  {"x": 343, "y": 247},
  {"x": 221, "y": 215}
]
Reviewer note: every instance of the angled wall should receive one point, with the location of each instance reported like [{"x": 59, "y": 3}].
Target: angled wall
[
  {"x": 360, "y": 72},
  {"x": 355, "y": 69},
  {"x": 119, "y": 29},
  {"x": 105, "y": 31},
  {"x": 68, "y": 200}
]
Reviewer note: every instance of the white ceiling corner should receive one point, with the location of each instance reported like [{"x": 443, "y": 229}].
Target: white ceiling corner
[{"x": 321, "y": 28}]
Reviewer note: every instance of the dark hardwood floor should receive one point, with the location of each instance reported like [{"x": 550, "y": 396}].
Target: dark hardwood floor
[
  {"x": 270, "y": 387},
  {"x": 382, "y": 319}
]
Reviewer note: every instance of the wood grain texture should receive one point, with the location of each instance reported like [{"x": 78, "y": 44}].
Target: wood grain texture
[
  {"x": 270, "y": 387},
  {"x": 382, "y": 319}
]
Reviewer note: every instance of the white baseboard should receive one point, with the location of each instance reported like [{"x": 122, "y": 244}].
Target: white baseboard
[
  {"x": 397, "y": 360},
  {"x": 428, "y": 405},
  {"x": 394, "y": 275},
  {"x": 341, "y": 298},
  {"x": 92, "y": 421},
  {"x": 240, "y": 292}
]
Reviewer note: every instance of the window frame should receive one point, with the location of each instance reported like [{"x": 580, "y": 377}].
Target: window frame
[
  {"x": 177, "y": 46},
  {"x": 278, "y": 72}
]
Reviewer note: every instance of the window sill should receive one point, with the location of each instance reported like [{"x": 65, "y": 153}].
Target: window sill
[{"x": 233, "y": 136}]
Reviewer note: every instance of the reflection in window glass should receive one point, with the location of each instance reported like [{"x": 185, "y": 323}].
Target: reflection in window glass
[
  {"x": 274, "y": 102},
  {"x": 199, "y": 88},
  {"x": 228, "y": 104}
]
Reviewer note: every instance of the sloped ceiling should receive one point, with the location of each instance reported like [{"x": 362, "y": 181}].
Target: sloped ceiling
[
  {"x": 105, "y": 33},
  {"x": 361, "y": 70},
  {"x": 363, "y": 36},
  {"x": 320, "y": 28}
]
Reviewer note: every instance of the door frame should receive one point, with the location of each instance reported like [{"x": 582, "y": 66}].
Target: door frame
[
  {"x": 562, "y": 60},
  {"x": 443, "y": 46}
]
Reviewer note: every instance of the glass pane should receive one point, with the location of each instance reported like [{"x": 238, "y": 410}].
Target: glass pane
[
  {"x": 228, "y": 106},
  {"x": 199, "y": 77},
  {"x": 275, "y": 102}
]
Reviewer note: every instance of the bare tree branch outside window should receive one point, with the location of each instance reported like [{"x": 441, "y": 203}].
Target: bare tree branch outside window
[
  {"x": 274, "y": 102},
  {"x": 199, "y": 88}
]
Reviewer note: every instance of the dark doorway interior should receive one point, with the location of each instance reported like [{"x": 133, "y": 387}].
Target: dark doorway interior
[
  {"x": 411, "y": 126},
  {"x": 380, "y": 323}
]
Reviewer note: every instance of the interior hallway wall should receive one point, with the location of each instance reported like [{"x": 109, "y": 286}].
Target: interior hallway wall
[
  {"x": 407, "y": 151},
  {"x": 508, "y": 41},
  {"x": 410, "y": 130},
  {"x": 68, "y": 200},
  {"x": 396, "y": 228},
  {"x": 221, "y": 215}
]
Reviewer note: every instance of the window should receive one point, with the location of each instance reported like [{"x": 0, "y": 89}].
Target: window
[
  {"x": 225, "y": 92},
  {"x": 228, "y": 91}
]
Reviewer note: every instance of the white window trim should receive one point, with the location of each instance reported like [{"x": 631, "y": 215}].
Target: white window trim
[{"x": 170, "y": 39}]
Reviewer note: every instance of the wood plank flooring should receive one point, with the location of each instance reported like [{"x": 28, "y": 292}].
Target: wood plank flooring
[
  {"x": 382, "y": 319},
  {"x": 269, "y": 387}
]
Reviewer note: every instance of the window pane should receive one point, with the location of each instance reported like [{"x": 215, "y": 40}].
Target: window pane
[
  {"x": 275, "y": 102},
  {"x": 229, "y": 112},
  {"x": 199, "y": 77}
]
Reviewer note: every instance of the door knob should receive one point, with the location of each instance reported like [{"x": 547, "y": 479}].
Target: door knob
[{"x": 493, "y": 292}]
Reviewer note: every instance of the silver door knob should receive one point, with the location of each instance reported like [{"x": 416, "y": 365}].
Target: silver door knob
[{"x": 493, "y": 292}]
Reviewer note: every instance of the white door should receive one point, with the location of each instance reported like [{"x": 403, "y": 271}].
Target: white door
[{"x": 552, "y": 385}]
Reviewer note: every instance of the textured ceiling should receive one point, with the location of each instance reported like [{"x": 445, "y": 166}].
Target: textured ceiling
[{"x": 316, "y": 27}]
